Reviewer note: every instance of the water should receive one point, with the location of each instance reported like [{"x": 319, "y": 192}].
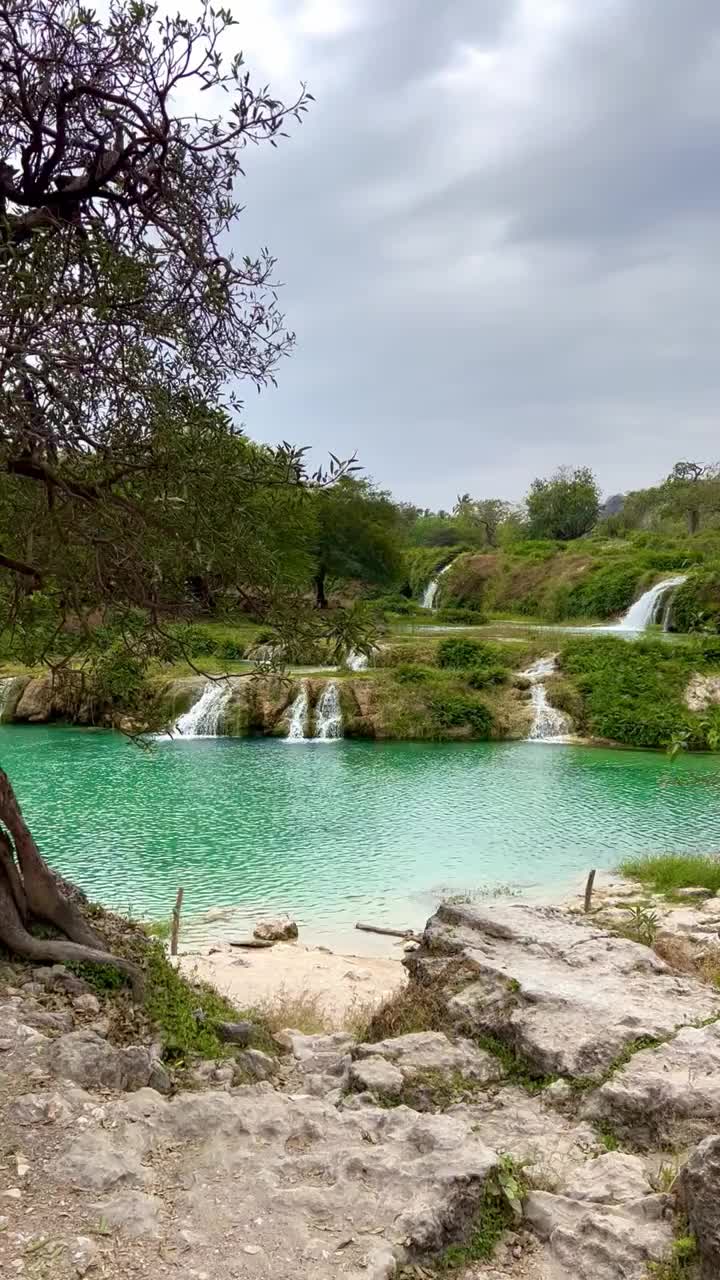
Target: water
[
  {"x": 643, "y": 612},
  {"x": 432, "y": 588},
  {"x": 328, "y": 715},
  {"x": 548, "y": 724},
  {"x": 204, "y": 718},
  {"x": 357, "y": 661},
  {"x": 368, "y": 830},
  {"x": 299, "y": 716}
]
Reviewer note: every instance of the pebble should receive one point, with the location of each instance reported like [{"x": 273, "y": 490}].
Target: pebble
[
  {"x": 13, "y": 1193},
  {"x": 252, "y": 1248}
]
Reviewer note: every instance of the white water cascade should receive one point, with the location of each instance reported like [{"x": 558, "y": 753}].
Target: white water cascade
[
  {"x": 203, "y": 718},
  {"x": 6, "y": 686},
  {"x": 299, "y": 716},
  {"x": 328, "y": 715},
  {"x": 645, "y": 611},
  {"x": 432, "y": 588},
  {"x": 356, "y": 661},
  {"x": 549, "y": 724}
]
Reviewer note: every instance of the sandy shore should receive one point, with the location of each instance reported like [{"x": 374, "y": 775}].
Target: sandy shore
[{"x": 292, "y": 971}]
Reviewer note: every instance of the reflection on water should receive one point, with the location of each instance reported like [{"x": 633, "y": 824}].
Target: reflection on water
[{"x": 365, "y": 830}]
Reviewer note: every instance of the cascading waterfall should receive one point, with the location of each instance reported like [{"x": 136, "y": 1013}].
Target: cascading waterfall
[
  {"x": 203, "y": 718},
  {"x": 6, "y": 686},
  {"x": 644, "y": 611},
  {"x": 299, "y": 712},
  {"x": 328, "y": 715},
  {"x": 356, "y": 661},
  {"x": 548, "y": 724},
  {"x": 432, "y": 588}
]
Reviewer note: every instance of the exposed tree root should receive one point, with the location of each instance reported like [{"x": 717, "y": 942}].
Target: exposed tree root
[{"x": 30, "y": 890}]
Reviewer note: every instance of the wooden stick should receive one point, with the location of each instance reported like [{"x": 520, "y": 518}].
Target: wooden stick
[
  {"x": 589, "y": 891},
  {"x": 408, "y": 934},
  {"x": 176, "y": 923},
  {"x": 251, "y": 942}
]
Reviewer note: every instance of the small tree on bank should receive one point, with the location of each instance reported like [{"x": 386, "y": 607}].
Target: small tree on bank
[
  {"x": 123, "y": 315},
  {"x": 564, "y": 506}
]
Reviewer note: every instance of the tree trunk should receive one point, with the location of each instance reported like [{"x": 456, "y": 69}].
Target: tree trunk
[
  {"x": 693, "y": 520},
  {"x": 29, "y": 888},
  {"x": 320, "y": 597}
]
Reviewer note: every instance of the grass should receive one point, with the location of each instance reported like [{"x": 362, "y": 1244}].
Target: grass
[
  {"x": 666, "y": 873},
  {"x": 499, "y": 1209},
  {"x": 683, "y": 1260},
  {"x": 412, "y": 1008},
  {"x": 516, "y": 1068},
  {"x": 299, "y": 1012}
]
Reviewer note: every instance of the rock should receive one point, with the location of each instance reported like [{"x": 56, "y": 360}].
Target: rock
[
  {"x": 587, "y": 1241},
  {"x": 32, "y": 989},
  {"x": 58, "y": 1020},
  {"x": 134, "y": 1213},
  {"x": 322, "y": 1060},
  {"x": 699, "y": 1189},
  {"x": 87, "y": 1003},
  {"x": 42, "y": 1108},
  {"x": 702, "y": 692},
  {"x": 236, "y": 1032},
  {"x": 95, "y": 1163},
  {"x": 376, "y": 1076},
  {"x": 217, "y": 913},
  {"x": 611, "y": 1179},
  {"x": 12, "y": 1193},
  {"x": 693, "y": 891},
  {"x": 88, "y": 1060},
  {"x": 58, "y": 978},
  {"x": 563, "y": 994},
  {"x": 358, "y": 975},
  {"x": 281, "y": 930},
  {"x": 257, "y": 1064},
  {"x": 667, "y": 1095},
  {"x": 85, "y": 1254},
  {"x": 548, "y": 1144},
  {"x": 432, "y": 1051},
  {"x": 37, "y": 701}
]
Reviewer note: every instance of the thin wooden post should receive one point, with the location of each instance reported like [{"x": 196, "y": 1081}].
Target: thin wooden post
[
  {"x": 176, "y": 923},
  {"x": 589, "y": 891}
]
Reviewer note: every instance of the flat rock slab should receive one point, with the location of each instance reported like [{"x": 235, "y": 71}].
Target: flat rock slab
[
  {"x": 566, "y": 995},
  {"x": 588, "y": 1241},
  {"x": 280, "y": 1185},
  {"x": 431, "y": 1051},
  {"x": 666, "y": 1095}
]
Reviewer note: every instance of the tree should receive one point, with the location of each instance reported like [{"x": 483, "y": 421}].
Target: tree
[
  {"x": 358, "y": 536},
  {"x": 564, "y": 506},
  {"x": 691, "y": 490},
  {"x": 123, "y": 316},
  {"x": 487, "y": 514}
]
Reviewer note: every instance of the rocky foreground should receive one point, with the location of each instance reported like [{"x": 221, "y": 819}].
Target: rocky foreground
[{"x": 570, "y": 1076}]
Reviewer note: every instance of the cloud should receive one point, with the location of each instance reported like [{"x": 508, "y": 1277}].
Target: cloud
[{"x": 498, "y": 234}]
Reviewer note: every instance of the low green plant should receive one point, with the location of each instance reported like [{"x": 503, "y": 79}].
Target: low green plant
[
  {"x": 500, "y": 1207},
  {"x": 668, "y": 872},
  {"x": 484, "y": 677},
  {"x": 461, "y": 653},
  {"x": 460, "y": 616},
  {"x": 642, "y": 925},
  {"x": 682, "y": 1262},
  {"x": 413, "y": 673},
  {"x": 516, "y": 1068},
  {"x": 455, "y": 710}
]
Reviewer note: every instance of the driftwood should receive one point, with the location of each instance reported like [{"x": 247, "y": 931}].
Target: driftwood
[
  {"x": 589, "y": 891},
  {"x": 408, "y": 934},
  {"x": 251, "y": 942},
  {"x": 176, "y": 923}
]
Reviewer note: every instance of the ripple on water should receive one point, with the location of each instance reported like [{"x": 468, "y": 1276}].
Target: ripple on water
[{"x": 366, "y": 829}]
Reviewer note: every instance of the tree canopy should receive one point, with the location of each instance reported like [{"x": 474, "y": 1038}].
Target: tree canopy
[
  {"x": 357, "y": 536},
  {"x": 563, "y": 506}
]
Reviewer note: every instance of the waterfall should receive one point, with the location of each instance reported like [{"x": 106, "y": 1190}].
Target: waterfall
[
  {"x": 6, "y": 687},
  {"x": 644, "y": 611},
  {"x": 548, "y": 723},
  {"x": 203, "y": 718},
  {"x": 356, "y": 661},
  {"x": 432, "y": 588},
  {"x": 299, "y": 716},
  {"x": 328, "y": 715}
]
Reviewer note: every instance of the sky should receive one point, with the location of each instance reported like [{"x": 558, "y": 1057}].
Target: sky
[{"x": 497, "y": 232}]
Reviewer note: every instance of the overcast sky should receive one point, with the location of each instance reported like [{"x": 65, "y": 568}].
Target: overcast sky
[{"x": 498, "y": 232}]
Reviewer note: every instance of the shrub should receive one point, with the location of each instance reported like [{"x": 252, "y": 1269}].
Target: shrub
[
  {"x": 413, "y": 673},
  {"x": 463, "y": 654},
  {"x": 455, "y": 711},
  {"x": 461, "y": 616},
  {"x": 482, "y": 677},
  {"x": 194, "y": 641},
  {"x": 665, "y": 873},
  {"x": 230, "y": 650}
]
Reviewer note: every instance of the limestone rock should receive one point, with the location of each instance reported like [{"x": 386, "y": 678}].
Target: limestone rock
[
  {"x": 376, "y": 1076},
  {"x": 94, "y": 1162},
  {"x": 424, "y": 1051},
  {"x": 587, "y": 1241},
  {"x": 87, "y": 1003},
  {"x": 702, "y": 692},
  {"x": 566, "y": 995},
  {"x": 611, "y": 1179},
  {"x": 134, "y": 1213},
  {"x": 281, "y": 930},
  {"x": 88, "y": 1060},
  {"x": 257, "y": 1064},
  {"x": 323, "y": 1061},
  {"x": 42, "y": 1108},
  {"x": 670, "y": 1094},
  {"x": 700, "y": 1193},
  {"x": 549, "y": 1145}
]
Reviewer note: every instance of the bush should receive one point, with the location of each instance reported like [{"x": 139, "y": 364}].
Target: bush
[
  {"x": 456, "y": 711},
  {"x": 463, "y": 654},
  {"x": 665, "y": 873},
  {"x": 413, "y": 673},
  {"x": 230, "y": 650},
  {"x": 482, "y": 677},
  {"x": 402, "y": 605}
]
